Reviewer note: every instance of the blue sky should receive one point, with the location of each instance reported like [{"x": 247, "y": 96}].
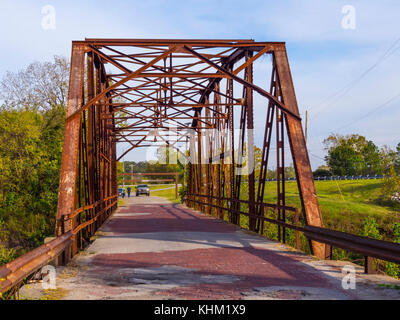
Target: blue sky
[{"x": 324, "y": 57}]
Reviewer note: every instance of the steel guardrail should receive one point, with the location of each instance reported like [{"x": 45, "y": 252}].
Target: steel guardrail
[
  {"x": 369, "y": 247},
  {"x": 13, "y": 273}
]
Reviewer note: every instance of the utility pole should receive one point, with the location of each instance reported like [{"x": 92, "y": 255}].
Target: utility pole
[
  {"x": 132, "y": 170},
  {"x": 123, "y": 177},
  {"x": 186, "y": 160}
]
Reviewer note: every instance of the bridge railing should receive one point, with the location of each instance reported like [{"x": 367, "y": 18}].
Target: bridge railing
[
  {"x": 368, "y": 247},
  {"x": 84, "y": 221}
]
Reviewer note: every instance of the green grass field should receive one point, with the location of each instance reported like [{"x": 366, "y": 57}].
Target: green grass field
[
  {"x": 346, "y": 203},
  {"x": 168, "y": 194},
  {"x": 356, "y": 196}
]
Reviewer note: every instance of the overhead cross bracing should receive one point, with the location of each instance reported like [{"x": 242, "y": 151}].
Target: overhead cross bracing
[{"x": 168, "y": 94}]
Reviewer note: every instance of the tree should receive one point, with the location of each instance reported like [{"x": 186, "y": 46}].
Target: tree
[
  {"x": 32, "y": 122},
  {"x": 352, "y": 155},
  {"x": 356, "y": 141},
  {"x": 391, "y": 184},
  {"x": 397, "y": 159},
  {"x": 322, "y": 171},
  {"x": 290, "y": 172},
  {"x": 372, "y": 159},
  {"x": 171, "y": 159},
  {"x": 387, "y": 159},
  {"x": 41, "y": 86},
  {"x": 257, "y": 160},
  {"x": 30, "y": 158},
  {"x": 344, "y": 160}
]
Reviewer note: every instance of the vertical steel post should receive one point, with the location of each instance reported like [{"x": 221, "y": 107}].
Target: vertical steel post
[
  {"x": 298, "y": 148},
  {"x": 90, "y": 147},
  {"x": 176, "y": 186},
  {"x": 68, "y": 174},
  {"x": 250, "y": 146},
  {"x": 265, "y": 151}
]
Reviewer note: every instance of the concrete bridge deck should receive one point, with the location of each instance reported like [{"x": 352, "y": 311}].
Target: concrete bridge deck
[{"x": 153, "y": 249}]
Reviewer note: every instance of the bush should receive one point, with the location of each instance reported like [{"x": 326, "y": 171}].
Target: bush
[
  {"x": 393, "y": 269},
  {"x": 182, "y": 193},
  {"x": 370, "y": 229},
  {"x": 391, "y": 185},
  {"x": 7, "y": 255},
  {"x": 30, "y": 159}
]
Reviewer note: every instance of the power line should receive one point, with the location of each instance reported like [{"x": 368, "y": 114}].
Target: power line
[
  {"x": 370, "y": 112},
  {"x": 343, "y": 91},
  {"x": 315, "y": 156}
]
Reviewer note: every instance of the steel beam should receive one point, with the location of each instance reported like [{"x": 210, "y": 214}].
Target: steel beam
[
  {"x": 68, "y": 173},
  {"x": 301, "y": 161}
]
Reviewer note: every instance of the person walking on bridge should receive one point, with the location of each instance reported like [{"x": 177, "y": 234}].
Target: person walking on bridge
[{"x": 129, "y": 192}]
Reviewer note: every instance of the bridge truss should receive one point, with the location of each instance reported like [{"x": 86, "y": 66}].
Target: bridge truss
[
  {"x": 194, "y": 91},
  {"x": 200, "y": 93}
]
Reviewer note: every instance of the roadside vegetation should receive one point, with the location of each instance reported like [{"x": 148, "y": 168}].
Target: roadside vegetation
[
  {"x": 345, "y": 204},
  {"x": 32, "y": 119}
]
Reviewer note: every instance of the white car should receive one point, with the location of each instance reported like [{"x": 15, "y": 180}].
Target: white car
[{"x": 142, "y": 189}]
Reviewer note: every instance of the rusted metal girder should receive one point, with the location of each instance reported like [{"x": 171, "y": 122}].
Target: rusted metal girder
[
  {"x": 301, "y": 161},
  {"x": 136, "y": 86},
  {"x": 68, "y": 173}
]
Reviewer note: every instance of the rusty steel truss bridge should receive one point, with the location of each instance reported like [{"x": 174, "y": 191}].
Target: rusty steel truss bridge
[{"x": 196, "y": 92}]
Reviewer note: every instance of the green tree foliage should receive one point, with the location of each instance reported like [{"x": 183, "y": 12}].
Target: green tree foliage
[
  {"x": 132, "y": 166},
  {"x": 387, "y": 158},
  {"x": 370, "y": 229},
  {"x": 322, "y": 171},
  {"x": 391, "y": 185},
  {"x": 397, "y": 159},
  {"x": 396, "y": 232},
  {"x": 371, "y": 157},
  {"x": 168, "y": 160},
  {"x": 30, "y": 158},
  {"x": 344, "y": 160},
  {"x": 7, "y": 255},
  {"x": 257, "y": 160},
  {"x": 31, "y": 133},
  {"x": 352, "y": 155},
  {"x": 393, "y": 269}
]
